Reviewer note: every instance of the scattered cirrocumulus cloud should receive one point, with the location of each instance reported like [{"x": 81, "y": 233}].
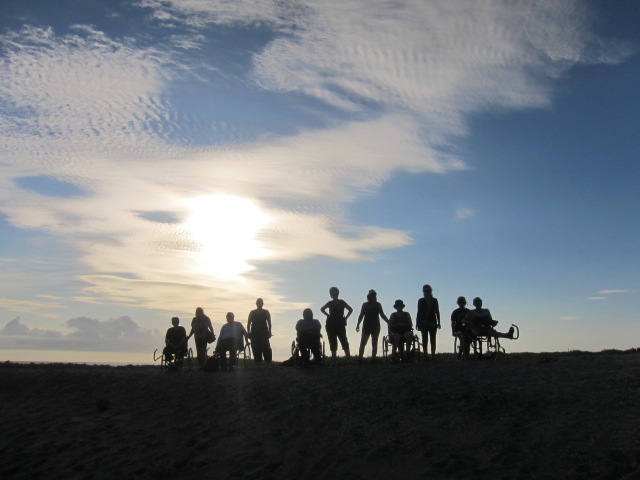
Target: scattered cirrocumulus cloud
[
  {"x": 97, "y": 153},
  {"x": 82, "y": 334}
]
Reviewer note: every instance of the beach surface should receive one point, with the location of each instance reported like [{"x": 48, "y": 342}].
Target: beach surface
[{"x": 530, "y": 416}]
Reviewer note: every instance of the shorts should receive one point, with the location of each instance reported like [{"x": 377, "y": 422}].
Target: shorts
[{"x": 336, "y": 329}]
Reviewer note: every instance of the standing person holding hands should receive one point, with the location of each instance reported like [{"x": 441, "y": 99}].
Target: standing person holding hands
[
  {"x": 202, "y": 330},
  {"x": 336, "y": 325},
  {"x": 428, "y": 319},
  {"x": 259, "y": 328},
  {"x": 371, "y": 312}
]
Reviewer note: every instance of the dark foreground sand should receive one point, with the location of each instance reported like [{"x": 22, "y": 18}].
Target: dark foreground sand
[{"x": 533, "y": 416}]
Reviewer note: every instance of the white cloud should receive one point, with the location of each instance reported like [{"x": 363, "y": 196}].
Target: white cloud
[
  {"x": 464, "y": 214},
  {"x": 612, "y": 292},
  {"x": 568, "y": 318},
  {"x": 83, "y": 334},
  {"x": 93, "y": 111}
]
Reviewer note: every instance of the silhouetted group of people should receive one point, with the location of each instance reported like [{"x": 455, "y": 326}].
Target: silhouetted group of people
[{"x": 234, "y": 337}]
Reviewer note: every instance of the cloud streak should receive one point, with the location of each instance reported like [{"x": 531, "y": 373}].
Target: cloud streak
[{"x": 396, "y": 82}]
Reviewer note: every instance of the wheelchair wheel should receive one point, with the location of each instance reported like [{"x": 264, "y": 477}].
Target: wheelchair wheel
[{"x": 385, "y": 348}]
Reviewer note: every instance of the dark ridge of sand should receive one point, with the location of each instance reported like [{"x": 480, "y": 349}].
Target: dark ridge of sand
[{"x": 532, "y": 416}]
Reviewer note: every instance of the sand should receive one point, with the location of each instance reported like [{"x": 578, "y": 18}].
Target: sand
[{"x": 532, "y": 416}]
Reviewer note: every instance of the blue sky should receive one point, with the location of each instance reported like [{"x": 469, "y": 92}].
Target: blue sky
[{"x": 160, "y": 156}]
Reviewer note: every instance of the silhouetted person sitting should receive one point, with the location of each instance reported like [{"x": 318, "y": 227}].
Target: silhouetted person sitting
[
  {"x": 481, "y": 323},
  {"x": 459, "y": 328},
  {"x": 400, "y": 331},
  {"x": 259, "y": 328},
  {"x": 175, "y": 342},
  {"x": 458, "y": 316},
  {"x": 232, "y": 337},
  {"x": 308, "y": 330}
]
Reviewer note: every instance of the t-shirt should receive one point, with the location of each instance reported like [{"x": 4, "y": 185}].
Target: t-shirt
[
  {"x": 428, "y": 312},
  {"x": 175, "y": 335},
  {"x": 233, "y": 330},
  {"x": 259, "y": 320},
  {"x": 400, "y": 322},
  {"x": 457, "y": 316},
  {"x": 199, "y": 326},
  {"x": 336, "y": 308},
  {"x": 371, "y": 312},
  {"x": 310, "y": 327}
]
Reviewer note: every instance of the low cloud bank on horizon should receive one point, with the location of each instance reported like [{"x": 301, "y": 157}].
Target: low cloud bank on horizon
[
  {"x": 82, "y": 334},
  {"x": 103, "y": 151}
]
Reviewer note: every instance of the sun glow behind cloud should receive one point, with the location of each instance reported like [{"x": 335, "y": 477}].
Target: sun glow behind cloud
[
  {"x": 226, "y": 228},
  {"x": 164, "y": 200}
]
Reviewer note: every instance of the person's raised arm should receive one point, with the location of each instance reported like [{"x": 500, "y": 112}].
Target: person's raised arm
[
  {"x": 360, "y": 317},
  {"x": 349, "y": 310}
]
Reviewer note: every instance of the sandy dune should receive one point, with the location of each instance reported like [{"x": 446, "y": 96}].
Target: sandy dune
[{"x": 532, "y": 416}]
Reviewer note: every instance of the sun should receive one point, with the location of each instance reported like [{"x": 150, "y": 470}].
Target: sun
[{"x": 226, "y": 227}]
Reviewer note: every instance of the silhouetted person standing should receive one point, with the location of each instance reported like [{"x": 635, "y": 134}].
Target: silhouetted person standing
[
  {"x": 259, "y": 328},
  {"x": 428, "y": 319},
  {"x": 371, "y": 312},
  {"x": 308, "y": 331},
  {"x": 336, "y": 325},
  {"x": 175, "y": 341},
  {"x": 202, "y": 331}
]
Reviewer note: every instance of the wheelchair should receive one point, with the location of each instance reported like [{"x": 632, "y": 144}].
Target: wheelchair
[
  {"x": 243, "y": 352},
  {"x": 412, "y": 350},
  {"x": 302, "y": 358},
  {"x": 176, "y": 363},
  {"x": 484, "y": 346}
]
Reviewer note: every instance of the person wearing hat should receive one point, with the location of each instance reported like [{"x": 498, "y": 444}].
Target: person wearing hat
[
  {"x": 428, "y": 319},
  {"x": 400, "y": 331},
  {"x": 371, "y": 312}
]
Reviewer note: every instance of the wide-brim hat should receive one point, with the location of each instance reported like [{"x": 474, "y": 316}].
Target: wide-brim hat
[{"x": 398, "y": 303}]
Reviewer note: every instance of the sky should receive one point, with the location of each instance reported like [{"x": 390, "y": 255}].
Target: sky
[{"x": 158, "y": 156}]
